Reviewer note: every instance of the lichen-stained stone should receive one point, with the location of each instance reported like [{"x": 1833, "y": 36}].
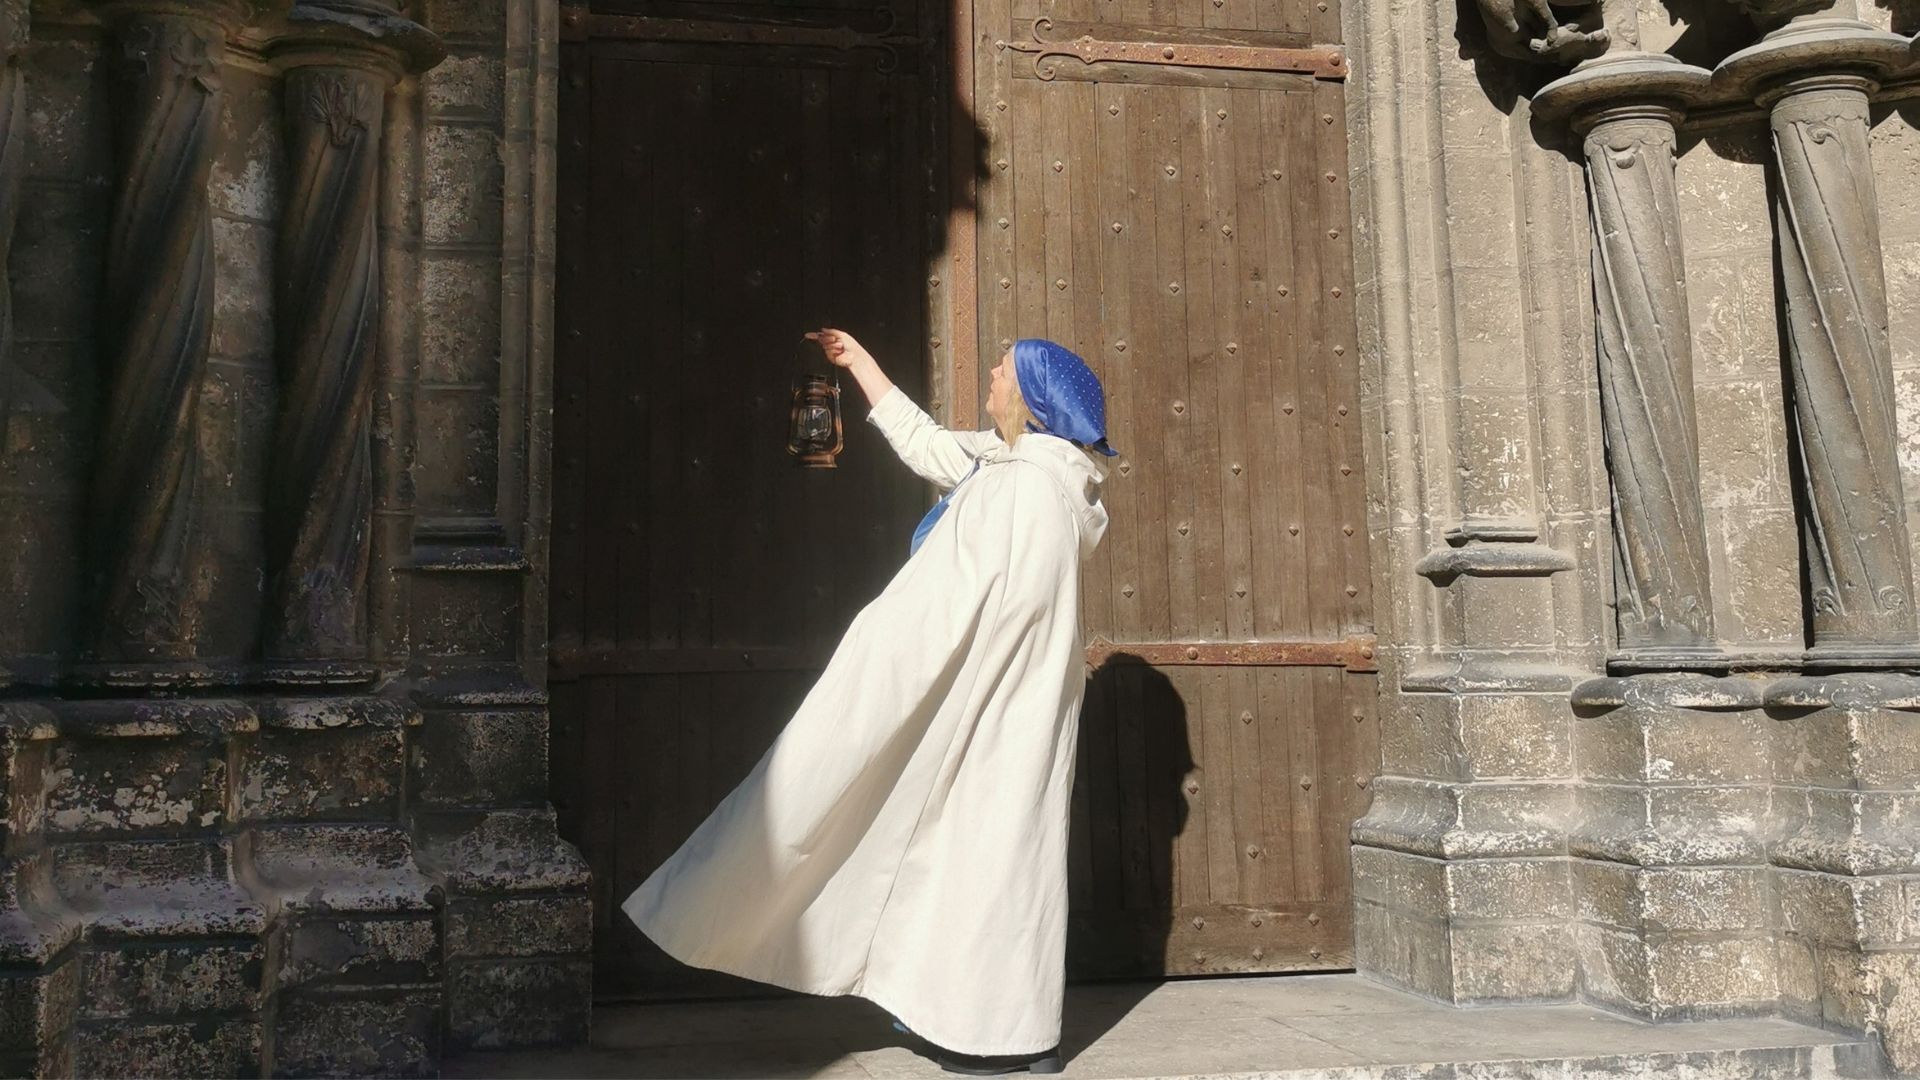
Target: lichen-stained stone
[
  {"x": 365, "y": 868},
  {"x": 156, "y": 889},
  {"x": 519, "y": 926},
  {"x": 501, "y": 851},
  {"x": 461, "y": 201},
  {"x": 494, "y": 1004},
  {"x": 128, "y": 768},
  {"x": 208, "y": 1046},
  {"x": 389, "y": 1034},
  {"x": 37, "y": 1009},
  {"x": 479, "y": 758},
  {"x": 172, "y": 978},
  {"x": 152, "y": 786},
  {"x": 359, "y": 951},
  {"x": 330, "y": 758}
]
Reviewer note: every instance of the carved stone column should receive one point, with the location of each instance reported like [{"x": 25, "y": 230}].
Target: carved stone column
[
  {"x": 1814, "y": 75},
  {"x": 341, "y": 58},
  {"x": 1626, "y": 106},
  {"x": 156, "y": 315}
]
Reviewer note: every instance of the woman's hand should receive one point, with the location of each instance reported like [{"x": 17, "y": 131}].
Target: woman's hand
[
  {"x": 841, "y": 349},
  {"x": 845, "y": 352}
]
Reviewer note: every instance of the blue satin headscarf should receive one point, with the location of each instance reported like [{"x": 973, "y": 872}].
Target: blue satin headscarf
[
  {"x": 1065, "y": 398},
  {"x": 1062, "y": 392}
]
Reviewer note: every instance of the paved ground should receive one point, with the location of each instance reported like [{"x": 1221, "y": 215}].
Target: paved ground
[{"x": 1314, "y": 1027}]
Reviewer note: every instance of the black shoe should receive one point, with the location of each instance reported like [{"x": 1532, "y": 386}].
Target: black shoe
[{"x": 1046, "y": 1061}]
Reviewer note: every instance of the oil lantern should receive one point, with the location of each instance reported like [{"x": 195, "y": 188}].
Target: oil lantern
[{"x": 814, "y": 435}]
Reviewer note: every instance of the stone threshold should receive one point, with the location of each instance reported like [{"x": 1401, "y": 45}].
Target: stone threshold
[{"x": 1276, "y": 1027}]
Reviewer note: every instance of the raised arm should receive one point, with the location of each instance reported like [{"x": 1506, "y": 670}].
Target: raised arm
[{"x": 938, "y": 455}]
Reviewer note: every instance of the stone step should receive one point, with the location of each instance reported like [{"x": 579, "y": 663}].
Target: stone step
[{"x": 1314, "y": 1027}]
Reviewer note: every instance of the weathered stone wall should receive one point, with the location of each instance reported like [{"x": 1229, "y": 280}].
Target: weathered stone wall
[
  {"x": 237, "y": 843},
  {"x": 1644, "y": 742}
]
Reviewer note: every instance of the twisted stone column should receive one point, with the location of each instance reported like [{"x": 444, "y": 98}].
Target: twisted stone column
[
  {"x": 1814, "y": 75},
  {"x": 341, "y": 59},
  {"x": 155, "y": 313},
  {"x": 1627, "y": 105}
]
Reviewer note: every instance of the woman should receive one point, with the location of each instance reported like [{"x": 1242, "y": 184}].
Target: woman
[{"x": 904, "y": 838}]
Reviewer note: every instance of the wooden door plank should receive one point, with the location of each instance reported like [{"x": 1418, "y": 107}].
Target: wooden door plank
[
  {"x": 1209, "y": 175},
  {"x": 993, "y": 21},
  {"x": 1213, "y": 725},
  {"x": 1184, "y": 412},
  {"x": 1239, "y": 308},
  {"x": 1113, "y": 121},
  {"x": 606, "y": 378},
  {"x": 1100, "y": 729},
  {"x": 818, "y": 286},
  {"x": 1333, "y": 782},
  {"x": 669, "y": 357},
  {"x": 1157, "y": 328},
  {"x": 573, "y": 302},
  {"x": 631, "y": 355},
  {"x": 1344, "y": 386},
  {"x": 1250, "y": 841},
  {"x": 1320, "y": 531},
  {"x": 1028, "y": 221},
  {"x": 1078, "y": 102},
  {"x": 1133, "y": 777},
  {"x": 1274, "y": 715},
  {"x": 650, "y": 709},
  {"x": 1288, "y": 609}
]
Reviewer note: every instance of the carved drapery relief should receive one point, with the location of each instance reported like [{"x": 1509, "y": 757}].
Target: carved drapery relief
[
  {"x": 156, "y": 307},
  {"x": 1663, "y": 597},
  {"x": 1855, "y": 531},
  {"x": 320, "y": 493},
  {"x": 341, "y": 62}
]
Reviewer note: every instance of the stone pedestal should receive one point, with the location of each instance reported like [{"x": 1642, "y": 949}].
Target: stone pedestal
[
  {"x": 1674, "y": 892},
  {"x": 519, "y": 921},
  {"x": 1460, "y": 884},
  {"x": 356, "y": 983},
  {"x": 1847, "y": 866},
  {"x": 39, "y": 975},
  {"x": 175, "y": 946}
]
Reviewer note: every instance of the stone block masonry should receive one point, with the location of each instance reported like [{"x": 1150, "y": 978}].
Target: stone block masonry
[{"x": 272, "y": 716}]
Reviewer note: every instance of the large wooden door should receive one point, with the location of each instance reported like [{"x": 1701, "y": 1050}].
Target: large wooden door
[
  {"x": 732, "y": 174},
  {"x": 1174, "y": 209},
  {"x": 1167, "y": 192}
]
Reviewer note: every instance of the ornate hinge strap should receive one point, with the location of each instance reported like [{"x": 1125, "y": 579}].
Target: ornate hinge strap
[{"x": 1319, "y": 61}]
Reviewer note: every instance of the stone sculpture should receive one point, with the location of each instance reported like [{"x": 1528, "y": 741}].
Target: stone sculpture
[{"x": 1529, "y": 30}]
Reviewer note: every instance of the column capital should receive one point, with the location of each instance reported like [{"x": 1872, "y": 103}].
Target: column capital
[
  {"x": 1810, "y": 50},
  {"x": 354, "y": 34},
  {"x": 1625, "y": 85}
]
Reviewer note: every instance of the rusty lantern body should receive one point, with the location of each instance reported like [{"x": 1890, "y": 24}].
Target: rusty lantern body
[{"x": 814, "y": 434}]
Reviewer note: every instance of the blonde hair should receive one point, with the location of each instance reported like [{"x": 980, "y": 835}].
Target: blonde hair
[{"x": 1018, "y": 414}]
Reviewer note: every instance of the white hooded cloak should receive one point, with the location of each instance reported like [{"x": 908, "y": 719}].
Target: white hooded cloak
[{"x": 905, "y": 837}]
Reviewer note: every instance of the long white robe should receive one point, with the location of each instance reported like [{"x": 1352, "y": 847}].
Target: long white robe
[{"x": 905, "y": 837}]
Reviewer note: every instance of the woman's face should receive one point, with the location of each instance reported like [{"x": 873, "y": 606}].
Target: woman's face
[{"x": 1001, "y": 390}]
